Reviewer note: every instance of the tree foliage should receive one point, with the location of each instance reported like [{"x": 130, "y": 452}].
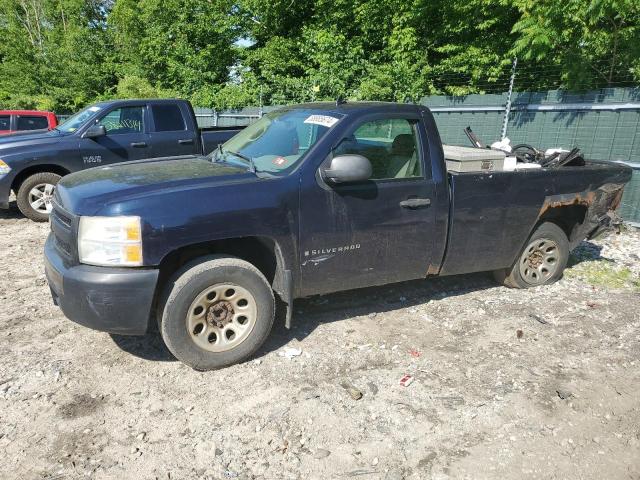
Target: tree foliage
[
  {"x": 596, "y": 42},
  {"x": 62, "y": 54},
  {"x": 53, "y": 53}
]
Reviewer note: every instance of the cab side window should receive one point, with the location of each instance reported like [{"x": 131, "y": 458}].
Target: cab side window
[
  {"x": 391, "y": 145},
  {"x": 5, "y": 122},
  {"x": 26, "y": 122},
  {"x": 168, "y": 118},
  {"x": 124, "y": 120}
]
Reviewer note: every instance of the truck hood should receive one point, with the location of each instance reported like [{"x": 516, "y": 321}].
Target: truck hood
[
  {"x": 25, "y": 132},
  {"x": 9, "y": 143},
  {"x": 86, "y": 192}
]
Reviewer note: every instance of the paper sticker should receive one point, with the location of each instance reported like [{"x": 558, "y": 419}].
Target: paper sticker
[
  {"x": 279, "y": 161},
  {"x": 324, "y": 120}
]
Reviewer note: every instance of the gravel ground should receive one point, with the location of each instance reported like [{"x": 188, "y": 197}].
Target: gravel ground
[{"x": 542, "y": 383}]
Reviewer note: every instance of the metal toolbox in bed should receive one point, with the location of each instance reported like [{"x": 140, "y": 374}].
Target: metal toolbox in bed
[{"x": 465, "y": 159}]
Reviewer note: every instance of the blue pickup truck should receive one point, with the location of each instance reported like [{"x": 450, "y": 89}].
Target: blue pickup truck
[
  {"x": 310, "y": 199},
  {"x": 31, "y": 164}
]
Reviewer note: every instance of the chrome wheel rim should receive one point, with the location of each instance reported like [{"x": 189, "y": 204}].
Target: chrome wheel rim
[
  {"x": 539, "y": 262},
  {"x": 221, "y": 317},
  {"x": 40, "y": 197}
]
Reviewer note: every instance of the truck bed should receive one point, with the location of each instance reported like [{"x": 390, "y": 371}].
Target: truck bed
[
  {"x": 213, "y": 136},
  {"x": 492, "y": 214}
]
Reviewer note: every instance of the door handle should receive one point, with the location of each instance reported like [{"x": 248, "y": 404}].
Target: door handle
[
  {"x": 186, "y": 141},
  {"x": 415, "y": 203},
  {"x": 138, "y": 144}
]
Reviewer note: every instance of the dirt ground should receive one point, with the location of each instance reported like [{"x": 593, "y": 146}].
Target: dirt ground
[{"x": 543, "y": 383}]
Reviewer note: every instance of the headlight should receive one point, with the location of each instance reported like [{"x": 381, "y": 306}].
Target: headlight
[
  {"x": 4, "y": 168},
  {"x": 110, "y": 241}
]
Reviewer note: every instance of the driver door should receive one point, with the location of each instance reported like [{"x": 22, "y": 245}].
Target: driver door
[
  {"x": 127, "y": 138},
  {"x": 372, "y": 232}
]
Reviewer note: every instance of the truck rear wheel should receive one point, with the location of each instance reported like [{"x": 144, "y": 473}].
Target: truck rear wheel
[
  {"x": 541, "y": 262},
  {"x": 218, "y": 311},
  {"x": 35, "y": 194}
]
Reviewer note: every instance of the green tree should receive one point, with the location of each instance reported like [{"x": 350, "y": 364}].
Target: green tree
[
  {"x": 55, "y": 55},
  {"x": 181, "y": 46},
  {"x": 63, "y": 54},
  {"x": 596, "y": 42}
]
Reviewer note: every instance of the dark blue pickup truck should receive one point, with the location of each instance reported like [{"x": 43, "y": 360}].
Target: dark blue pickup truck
[
  {"x": 308, "y": 200},
  {"x": 105, "y": 133}
]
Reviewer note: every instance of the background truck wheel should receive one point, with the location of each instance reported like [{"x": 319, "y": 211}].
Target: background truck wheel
[
  {"x": 34, "y": 195},
  {"x": 218, "y": 311},
  {"x": 542, "y": 261}
]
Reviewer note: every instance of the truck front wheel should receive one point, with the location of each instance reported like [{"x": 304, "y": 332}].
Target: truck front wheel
[
  {"x": 35, "y": 194},
  {"x": 217, "y": 311},
  {"x": 541, "y": 262}
]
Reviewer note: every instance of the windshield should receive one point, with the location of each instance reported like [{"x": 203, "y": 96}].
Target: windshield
[
  {"x": 74, "y": 122},
  {"x": 277, "y": 142}
]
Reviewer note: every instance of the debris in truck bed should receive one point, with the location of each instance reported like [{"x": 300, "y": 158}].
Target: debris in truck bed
[{"x": 527, "y": 156}]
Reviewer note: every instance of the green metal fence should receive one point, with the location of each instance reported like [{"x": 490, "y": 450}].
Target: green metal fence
[
  {"x": 630, "y": 208},
  {"x": 604, "y": 124}
]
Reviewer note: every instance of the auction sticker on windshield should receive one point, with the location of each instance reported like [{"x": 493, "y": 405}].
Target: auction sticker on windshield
[{"x": 324, "y": 120}]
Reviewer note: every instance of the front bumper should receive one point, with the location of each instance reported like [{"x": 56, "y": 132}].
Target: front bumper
[{"x": 114, "y": 300}]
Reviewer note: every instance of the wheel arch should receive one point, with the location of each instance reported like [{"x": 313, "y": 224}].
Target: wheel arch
[
  {"x": 569, "y": 218},
  {"x": 33, "y": 169},
  {"x": 262, "y": 252},
  {"x": 569, "y": 215}
]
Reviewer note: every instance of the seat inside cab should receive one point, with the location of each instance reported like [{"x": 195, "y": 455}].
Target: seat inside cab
[{"x": 395, "y": 159}]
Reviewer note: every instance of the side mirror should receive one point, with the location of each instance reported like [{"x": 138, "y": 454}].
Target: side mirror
[
  {"x": 95, "y": 131},
  {"x": 348, "y": 169}
]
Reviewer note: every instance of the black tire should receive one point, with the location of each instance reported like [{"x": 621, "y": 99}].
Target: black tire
[
  {"x": 188, "y": 284},
  {"x": 513, "y": 277},
  {"x": 23, "y": 193}
]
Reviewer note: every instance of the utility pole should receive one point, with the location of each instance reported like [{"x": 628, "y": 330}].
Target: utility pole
[{"x": 507, "y": 109}]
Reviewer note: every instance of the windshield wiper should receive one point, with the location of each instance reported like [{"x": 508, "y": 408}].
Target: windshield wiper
[
  {"x": 216, "y": 157},
  {"x": 252, "y": 165}
]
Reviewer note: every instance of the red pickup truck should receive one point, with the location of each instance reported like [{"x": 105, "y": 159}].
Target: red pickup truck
[{"x": 12, "y": 121}]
